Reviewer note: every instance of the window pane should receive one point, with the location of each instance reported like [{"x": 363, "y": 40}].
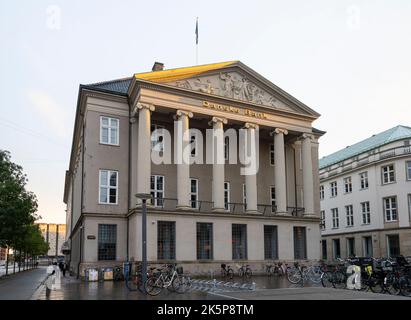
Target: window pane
[
  {"x": 104, "y": 135},
  {"x": 107, "y": 241},
  {"x": 166, "y": 240},
  {"x": 204, "y": 241},
  {"x": 300, "y": 249},
  {"x": 113, "y": 179},
  {"x": 113, "y": 136},
  {"x": 270, "y": 242},
  {"x": 104, "y": 121},
  {"x": 239, "y": 240},
  {"x": 113, "y": 193},
  {"x": 103, "y": 178},
  {"x": 103, "y": 195},
  {"x": 114, "y": 123}
]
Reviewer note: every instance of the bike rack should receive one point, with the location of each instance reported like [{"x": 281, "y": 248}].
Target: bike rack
[{"x": 221, "y": 286}]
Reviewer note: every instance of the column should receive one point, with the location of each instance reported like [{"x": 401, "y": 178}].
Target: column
[
  {"x": 144, "y": 148},
  {"x": 218, "y": 163},
  {"x": 251, "y": 179},
  {"x": 279, "y": 171},
  {"x": 181, "y": 145},
  {"x": 308, "y": 185}
]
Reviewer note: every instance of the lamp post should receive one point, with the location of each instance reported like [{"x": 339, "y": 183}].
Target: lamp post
[{"x": 144, "y": 197}]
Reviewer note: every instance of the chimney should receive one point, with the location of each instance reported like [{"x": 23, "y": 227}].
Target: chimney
[{"x": 157, "y": 66}]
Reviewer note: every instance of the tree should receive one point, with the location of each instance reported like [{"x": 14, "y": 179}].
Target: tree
[{"x": 17, "y": 206}]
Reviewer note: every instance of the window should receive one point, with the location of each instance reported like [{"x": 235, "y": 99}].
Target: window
[
  {"x": 367, "y": 246},
  {"x": 300, "y": 245},
  {"x": 204, "y": 241},
  {"x": 244, "y": 197},
  {"x": 157, "y": 190},
  {"x": 271, "y": 154},
  {"x": 270, "y": 242},
  {"x": 365, "y": 209},
  {"x": 336, "y": 222},
  {"x": 239, "y": 240},
  {"x": 409, "y": 205},
  {"x": 364, "y": 180},
  {"x": 324, "y": 249},
  {"x": 322, "y": 220},
  {"x": 336, "y": 249},
  {"x": 107, "y": 241},
  {"x": 227, "y": 196},
  {"x": 109, "y": 130},
  {"x": 108, "y": 187},
  {"x": 333, "y": 189},
  {"x": 166, "y": 240},
  {"x": 408, "y": 169},
  {"x": 321, "y": 192},
  {"x": 157, "y": 138},
  {"x": 393, "y": 245},
  {"x": 390, "y": 209},
  {"x": 273, "y": 204},
  {"x": 193, "y": 143},
  {"x": 194, "y": 193},
  {"x": 226, "y": 148},
  {"x": 388, "y": 174},
  {"x": 347, "y": 185},
  {"x": 350, "y": 215},
  {"x": 350, "y": 247}
]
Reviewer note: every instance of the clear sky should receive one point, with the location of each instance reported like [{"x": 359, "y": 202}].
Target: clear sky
[{"x": 348, "y": 60}]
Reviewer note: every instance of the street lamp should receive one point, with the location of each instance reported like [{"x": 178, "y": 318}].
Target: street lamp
[{"x": 144, "y": 197}]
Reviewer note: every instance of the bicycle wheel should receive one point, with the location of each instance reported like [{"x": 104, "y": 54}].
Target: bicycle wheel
[
  {"x": 248, "y": 273},
  {"x": 314, "y": 274},
  {"x": 294, "y": 275},
  {"x": 339, "y": 280},
  {"x": 178, "y": 284},
  {"x": 392, "y": 284},
  {"x": 240, "y": 272},
  {"x": 405, "y": 286},
  {"x": 327, "y": 279},
  {"x": 230, "y": 273},
  {"x": 134, "y": 283},
  {"x": 375, "y": 284},
  {"x": 153, "y": 286}
]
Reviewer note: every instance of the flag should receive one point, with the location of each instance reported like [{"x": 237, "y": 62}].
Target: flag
[{"x": 197, "y": 31}]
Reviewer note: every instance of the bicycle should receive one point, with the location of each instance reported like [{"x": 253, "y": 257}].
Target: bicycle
[
  {"x": 169, "y": 278},
  {"x": 274, "y": 268},
  {"x": 336, "y": 277},
  {"x": 244, "y": 271},
  {"x": 226, "y": 271},
  {"x": 135, "y": 281}
]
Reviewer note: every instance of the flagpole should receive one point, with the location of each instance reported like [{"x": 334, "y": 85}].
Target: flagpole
[{"x": 197, "y": 41}]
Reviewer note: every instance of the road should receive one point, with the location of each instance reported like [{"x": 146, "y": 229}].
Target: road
[{"x": 21, "y": 286}]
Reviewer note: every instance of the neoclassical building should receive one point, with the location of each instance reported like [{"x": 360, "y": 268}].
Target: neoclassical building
[
  {"x": 201, "y": 215},
  {"x": 365, "y": 192}
]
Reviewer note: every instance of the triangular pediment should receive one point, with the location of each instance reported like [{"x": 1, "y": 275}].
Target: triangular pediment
[{"x": 232, "y": 80}]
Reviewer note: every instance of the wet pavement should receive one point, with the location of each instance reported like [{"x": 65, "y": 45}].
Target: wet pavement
[{"x": 22, "y": 285}]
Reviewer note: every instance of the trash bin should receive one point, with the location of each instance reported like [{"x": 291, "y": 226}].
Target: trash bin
[
  {"x": 108, "y": 273},
  {"x": 92, "y": 275}
]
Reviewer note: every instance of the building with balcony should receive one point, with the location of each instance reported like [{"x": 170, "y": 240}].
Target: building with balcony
[
  {"x": 365, "y": 192},
  {"x": 202, "y": 213}
]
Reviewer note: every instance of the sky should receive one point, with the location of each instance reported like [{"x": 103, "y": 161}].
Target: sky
[{"x": 348, "y": 60}]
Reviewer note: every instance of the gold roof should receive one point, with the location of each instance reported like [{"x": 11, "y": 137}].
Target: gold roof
[{"x": 181, "y": 73}]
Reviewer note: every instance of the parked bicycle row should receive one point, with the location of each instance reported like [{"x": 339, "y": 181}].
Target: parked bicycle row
[{"x": 379, "y": 275}]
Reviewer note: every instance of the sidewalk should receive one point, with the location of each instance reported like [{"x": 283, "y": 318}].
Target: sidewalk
[{"x": 22, "y": 285}]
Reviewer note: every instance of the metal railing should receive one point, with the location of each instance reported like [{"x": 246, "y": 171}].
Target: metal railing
[{"x": 171, "y": 204}]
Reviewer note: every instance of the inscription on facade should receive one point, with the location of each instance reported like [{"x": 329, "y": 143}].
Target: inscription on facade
[{"x": 231, "y": 109}]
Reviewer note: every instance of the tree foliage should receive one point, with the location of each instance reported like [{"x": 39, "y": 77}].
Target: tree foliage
[{"x": 18, "y": 210}]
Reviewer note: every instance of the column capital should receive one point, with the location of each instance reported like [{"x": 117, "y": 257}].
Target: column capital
[
  {"x": 140, "y": 106},
  {"x": 307, "y": 136},
  {"x": 181, "y": 113},
  {"x": 250, "y": 125},
  {"x": 279, "y": 130},
  {"x": 217, "y": 119}
]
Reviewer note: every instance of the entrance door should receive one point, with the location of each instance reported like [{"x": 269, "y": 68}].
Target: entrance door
[{"x": 393, "y": 245}]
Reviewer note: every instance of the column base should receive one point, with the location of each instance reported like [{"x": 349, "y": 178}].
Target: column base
[
  {"x": 310, "y": 215},
  {"x": 184, "y": 208},
  {"x": 282, "y": 213},
  {"x": 219, "y": 210},
  {"x": 252, "y": 212}
]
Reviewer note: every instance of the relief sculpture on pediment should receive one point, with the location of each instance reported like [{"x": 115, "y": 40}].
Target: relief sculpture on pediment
[{"x": 231, "y": 85}]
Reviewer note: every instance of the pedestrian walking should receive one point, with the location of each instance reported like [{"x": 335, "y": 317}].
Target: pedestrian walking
[{"x": 50, "y": 281}]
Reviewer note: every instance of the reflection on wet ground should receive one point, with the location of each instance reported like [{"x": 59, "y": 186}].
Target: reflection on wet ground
[{"x": 74, "y": 289}]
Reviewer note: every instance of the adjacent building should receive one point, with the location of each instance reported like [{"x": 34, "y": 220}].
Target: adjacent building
[
  {"x": 54, "y": 234},
  {"x": 365, "y": 192},
  {"x": 201, "y": 214}
]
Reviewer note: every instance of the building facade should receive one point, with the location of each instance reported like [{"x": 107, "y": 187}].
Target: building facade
[
  {"x": 365, "y": 192},
  {"x": 201, "y": 214},
  {"x": 55, "y": 235}
]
